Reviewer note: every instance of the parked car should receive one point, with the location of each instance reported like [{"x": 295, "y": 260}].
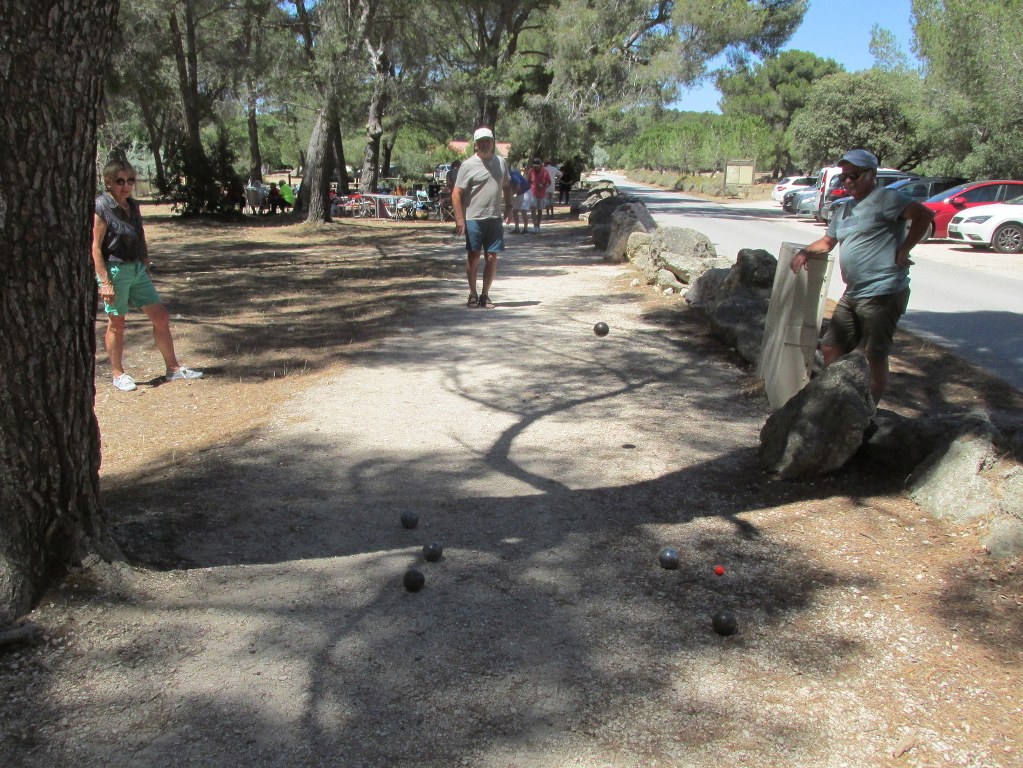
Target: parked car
[
  {"x": 789, "y": 183},
  {"x": 806, "y": 203},
  {"x": 921, "y": 189},
  {"x": 791, "y": 199},
  {"x": 885, "y": 178},
  {"x": 998, "y": 226},
  {"x": 832, "y": 189},
  {"x": 957, "y": 199}
]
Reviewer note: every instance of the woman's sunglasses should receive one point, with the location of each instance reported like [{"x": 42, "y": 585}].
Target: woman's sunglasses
[{"x": 121, "y": 182}]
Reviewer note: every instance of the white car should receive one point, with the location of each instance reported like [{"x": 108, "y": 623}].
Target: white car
[
  {"x": 789, "y": 183},
  {"x": 998, "y": 226}
]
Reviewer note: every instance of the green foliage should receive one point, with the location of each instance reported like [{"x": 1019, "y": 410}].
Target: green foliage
[
  {"x": 690, "y": 142},
  {"x": 774, "y": 91},
  {"x": 972, "y": 52},
  {"x": 863, "y": 109},
  {"x": 198, "y": 180}
]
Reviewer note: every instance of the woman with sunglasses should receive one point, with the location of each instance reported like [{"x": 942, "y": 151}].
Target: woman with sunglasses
[{"x": 121, "y": 258}]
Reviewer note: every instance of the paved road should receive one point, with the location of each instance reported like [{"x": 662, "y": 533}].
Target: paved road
[{"x": 970, "y": 302}]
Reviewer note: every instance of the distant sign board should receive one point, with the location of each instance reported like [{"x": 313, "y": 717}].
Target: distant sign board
[{"x": 739, "y": 173}]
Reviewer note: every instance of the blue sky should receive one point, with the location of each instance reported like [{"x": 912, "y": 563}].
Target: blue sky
[{"x": 836, "y": 29}]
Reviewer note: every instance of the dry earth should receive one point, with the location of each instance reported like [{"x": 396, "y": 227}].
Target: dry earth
[{"x": 261, "y": 618}]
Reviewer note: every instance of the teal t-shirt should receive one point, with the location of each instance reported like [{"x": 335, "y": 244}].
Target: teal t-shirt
[{"x": 870, "y": 232}]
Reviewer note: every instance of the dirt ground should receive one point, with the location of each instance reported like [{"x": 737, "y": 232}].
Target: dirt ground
[{"x": 261, "y": 618}]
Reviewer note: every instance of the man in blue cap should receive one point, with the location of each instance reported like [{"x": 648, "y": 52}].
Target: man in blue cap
[{"x": 875, "y": 263}]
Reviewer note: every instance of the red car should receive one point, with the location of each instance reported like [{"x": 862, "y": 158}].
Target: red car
[{"x": 952, "y": 201}]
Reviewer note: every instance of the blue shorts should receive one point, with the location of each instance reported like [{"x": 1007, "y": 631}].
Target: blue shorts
[
  {"x": 131, "y": 286},
  {"x": 484, "y": 235}
]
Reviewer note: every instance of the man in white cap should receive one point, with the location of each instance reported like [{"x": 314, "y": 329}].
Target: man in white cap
[
  {"x": 482, "y": 199},
  {"x": 875, "y": 263}
]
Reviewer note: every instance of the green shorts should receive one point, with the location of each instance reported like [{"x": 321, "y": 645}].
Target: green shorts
[
  {"x": 132, "y": 286},
  {"x": 870, "y": 321}
]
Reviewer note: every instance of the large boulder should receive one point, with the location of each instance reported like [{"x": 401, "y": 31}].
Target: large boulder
[
  {"x": 687, "y": 268},
  {"x": 707, "y": 288},
  {"x": 821, "y": 427},
  {"x": 638, "y": 253},
  {"x": 600, "y": 219},
  {"x": 753, "y": 271},
  {"x": 738, "y": 321},
  {"x": 683, "y": 241},
  {"x": 627, "y": 219},
  {"x": 952, "y": 481},
  {"x": 736, "y": 302}
]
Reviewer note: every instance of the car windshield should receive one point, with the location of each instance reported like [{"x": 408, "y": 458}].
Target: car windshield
[
  {"x": 1015, "y": 201},
  {"x": 946, "y": 194}
]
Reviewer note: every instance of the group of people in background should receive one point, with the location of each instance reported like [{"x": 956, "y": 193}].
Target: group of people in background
[{"x": 534, "y": 192}]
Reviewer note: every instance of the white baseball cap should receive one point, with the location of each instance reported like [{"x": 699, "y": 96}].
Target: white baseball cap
[{"x": 482, "y": 133}]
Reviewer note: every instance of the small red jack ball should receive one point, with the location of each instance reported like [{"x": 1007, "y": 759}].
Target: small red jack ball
[{"x": 719, "y": 570}]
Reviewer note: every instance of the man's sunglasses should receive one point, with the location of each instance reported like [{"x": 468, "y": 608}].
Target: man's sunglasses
[
  {"x": 844, "y": 177},
  {"x": 121, "y": 182}
]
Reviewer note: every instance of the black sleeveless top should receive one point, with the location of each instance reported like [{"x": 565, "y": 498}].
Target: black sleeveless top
[{"x": 125, "y": 239}]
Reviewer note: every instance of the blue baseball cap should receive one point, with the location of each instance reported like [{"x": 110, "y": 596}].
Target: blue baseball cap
[{"x": 861, "y": 158}]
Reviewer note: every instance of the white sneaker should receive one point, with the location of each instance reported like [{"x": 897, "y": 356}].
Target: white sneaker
[
  {"x": 124, "y": 383},
  {"x": 182, "y": 374}
]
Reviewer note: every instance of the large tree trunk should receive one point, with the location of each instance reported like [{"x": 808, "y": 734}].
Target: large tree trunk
[
  {"x": 188, "y": 77},
  {"x": 255, "y": 157},
  {"x": 50, "y": 514},
  {"x": 314, "y": 193},
  {"x": 375, "y": 123},
  {"x": 155, "y": 127}
]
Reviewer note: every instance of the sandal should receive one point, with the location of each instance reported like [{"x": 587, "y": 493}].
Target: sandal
[
  {"x": 485, "y": 302},
  {"x": 474, "y": 301}
]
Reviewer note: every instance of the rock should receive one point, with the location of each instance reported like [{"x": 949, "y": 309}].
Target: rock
[
  {"x": 753, "y": 271},
  {"x": 687, "y": 269},
  {"x": 738, "y": 321},
  {"x": 667, "y": 281},
  {"x": 902, "y": 444},
  {"x": 950, "y": 483},
  {"x": 626, "y": 220},
  {"x": 736, "y": 302},
  {"x": 600, "y": 219},
  {"x": 683, "y": 241},
  {"x": 707, "y": 287},
  {"x": 821, "y": 427}
]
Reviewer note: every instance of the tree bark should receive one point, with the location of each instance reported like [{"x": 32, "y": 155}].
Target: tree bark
[
  {"x": 50, "y": 513},
  {"x": 188, "y": 79},
  {"x": 315, "y": 189},
  {"x": 374, "y": 130}
]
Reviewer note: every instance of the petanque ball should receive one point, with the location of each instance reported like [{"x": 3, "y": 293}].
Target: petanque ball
[
  {"x": 432, "y": 552},
  {"x": 413, "y": 580},
  {"x": 725, "y": 623},
  {"x": 669, "y": 558},
  {"x": 601, "y": 328},
  {"x": 409, "y": 519}
]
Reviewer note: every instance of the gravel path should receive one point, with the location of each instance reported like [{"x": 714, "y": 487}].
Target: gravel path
[{"x": 552, "y": 465}]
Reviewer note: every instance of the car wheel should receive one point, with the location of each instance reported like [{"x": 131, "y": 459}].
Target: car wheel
[
  {"x": 1008, "y": 238},
  {"x": 928, "y": 234}
]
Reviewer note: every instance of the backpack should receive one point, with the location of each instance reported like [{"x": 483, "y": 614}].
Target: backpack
[{"x": 519, "y": 184}]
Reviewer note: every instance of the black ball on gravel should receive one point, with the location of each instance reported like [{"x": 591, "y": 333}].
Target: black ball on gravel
[
  {"x": 409, "y": 519},
  {"x": 601, "y": 328},
  {"x": 669, "y": 558},
  {"x": 413, "y": 580},
  {"x": 432, "y": 552},
  {"x": 725, "y": 623}
]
